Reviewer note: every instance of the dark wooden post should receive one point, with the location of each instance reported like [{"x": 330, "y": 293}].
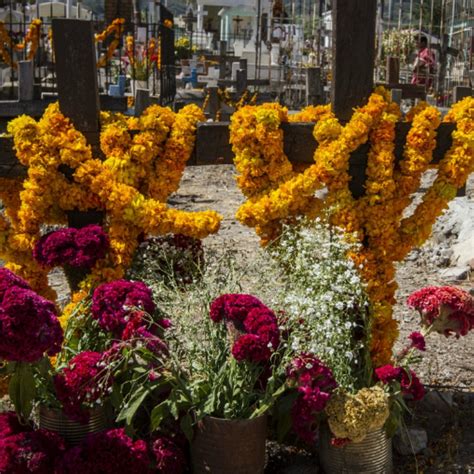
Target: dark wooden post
[
  {"x": 222, "y": 59},
  {"x": 353, "y": 52},
  {"x": 76, "y": 74},
  {"x": 142, "y": 101},
  {"x": 25, "y": 80},
  {"x": 214, "y": 101},
  {"x": 314, "y": 94},
  {"x": 241, "y": 82},
  {"x": 393, "y": 70}
]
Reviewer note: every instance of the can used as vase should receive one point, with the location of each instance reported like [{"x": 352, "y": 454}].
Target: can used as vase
[
  {"x": 372, "y": 455},
  {"x": 229, "y": 446},
  {"x": 72, "y": 431}
]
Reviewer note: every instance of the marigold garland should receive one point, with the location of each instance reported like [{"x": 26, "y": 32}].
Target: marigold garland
[
  {"x": 376, "y": 219},
  {"x": 116, "y": 28},
  {"x": 32, "y": 37},
  {"x": 114, "y": 185}
]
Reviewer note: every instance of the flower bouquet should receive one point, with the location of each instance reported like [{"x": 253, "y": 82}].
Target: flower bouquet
[
  {"x": 226, "y": 380},
  {"x": 354, "y": 406},
  {"x": 141, "y": 58}
]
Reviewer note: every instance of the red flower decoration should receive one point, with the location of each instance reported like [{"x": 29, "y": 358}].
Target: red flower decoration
[{"x": 449, "y": 310}]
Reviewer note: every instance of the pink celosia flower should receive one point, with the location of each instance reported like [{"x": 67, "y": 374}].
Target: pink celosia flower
[
  {"x": 83, "y": 380},
  {"x": 447, "y": 309},
  {"x": 9, "y": 425},
  {"x": 409, "y": 382},
  {"x": 233, "y": 307},
  {"x": 76, "y": 247},
  {"x": 169, "y": 456},
  {"x": 251, "y": 348},
  {"x": 107, "y": 452},
  {"x": 29, "y": 326},
  {"x": 315, "y": 384},
  {"x": 8, "y": 279},
  {"x": 388, "y": 372},
  {"x": 417, "y": 341},
  {"x": 112, "y": 303},
  {"x": 34, "y": 452}
]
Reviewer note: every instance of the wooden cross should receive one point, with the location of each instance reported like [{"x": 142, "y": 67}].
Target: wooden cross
[
  {"x": 237, "y": 20},
  {"x": 352, "y": 84}
]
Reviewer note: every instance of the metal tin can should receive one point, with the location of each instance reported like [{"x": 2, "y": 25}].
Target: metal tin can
[
  {"x": 229, "y": 446},
  {"x": 72, "y": 431},
  {"x": 372, "y": 455}
]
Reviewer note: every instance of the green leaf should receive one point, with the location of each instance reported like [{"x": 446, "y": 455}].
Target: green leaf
[
  {"x": 158, "y": 414},
  {"x": 128, "y": 411},
  {"x": 22, "y": 389},
  {"x": 186, "y": 425}
]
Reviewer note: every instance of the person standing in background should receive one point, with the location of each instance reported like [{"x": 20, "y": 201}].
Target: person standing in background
[{"x": 425, "y": 63}]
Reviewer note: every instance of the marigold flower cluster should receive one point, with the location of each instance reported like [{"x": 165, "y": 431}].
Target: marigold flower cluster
[
  {"x": 29, "y": 327},
  {"x": 315, "y": 384},
  {"x": 131, "y": 185},
  {"x": 376, "y": 220},
  {"x": 353, "y": 416},
  {"x": 448, "y": 310},
  {"x": 258, "y": 335}
]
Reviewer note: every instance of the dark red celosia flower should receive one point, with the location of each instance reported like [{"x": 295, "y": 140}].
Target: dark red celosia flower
[
  {"x": 76, "y": 247},
  {"x": 315, "y": 383},
  {"x": 412, "y": 386},
  {"x": 417, "y": 341},
  {"x": 448, "y": 309},
  {"x": 92, "y": 244},
  {"x": 8, "y": 280},
  {"x": 10, "y": 425},
  {"x": 29, "y": 326},
  {"x": 36, "y": 452},
  {"x": 78, "y": 383},
  {"x": 107, "y": 452},
  {"x": 112, "y": 303},
  {"x": 251, "y": 348},
  {"x": 388, "y": 373},
  {"x": 340, "y": 442},
  {"x": 409, "y": 382},
  {"x": 169, "y": 457},
  {"x": 263, "y": 323},
  {"x": 56, "y": 247},
  {"x": 233, "y": 307}
]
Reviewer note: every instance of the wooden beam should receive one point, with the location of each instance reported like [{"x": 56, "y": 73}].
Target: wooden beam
[
  {"x": 76, "y": 72},
  {"x": 10, "y": 109},
  {"x": 353, "y": 52},
  {"x": 213, "y": 148}
]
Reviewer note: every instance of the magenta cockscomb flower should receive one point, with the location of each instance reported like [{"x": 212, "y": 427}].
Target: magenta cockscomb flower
[
  {"x": 233, "y": 307},
  {"x": 29, "y": 327},
  {"x": 169, "y": 457},
  {"x": 82, "y": 381},
  {"x": 8, "y": 280},
  {"x": 409, "y": 382},
  {"x": 417, "y": 341},
  {"x": 112, "y": 303},
  {"x": 79, "y": 248},
  {"x": 36, "y": 452},
  {"x": 107, "y": 452},
  {"x": 315, "y": 384}
]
